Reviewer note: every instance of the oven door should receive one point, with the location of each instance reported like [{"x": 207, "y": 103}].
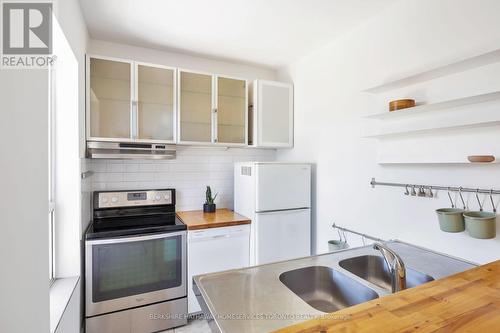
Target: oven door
[{"x": 122, "y": 273}]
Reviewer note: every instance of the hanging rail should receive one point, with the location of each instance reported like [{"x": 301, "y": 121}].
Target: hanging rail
[
  {"x": 374, "y": 183},
  {"x": 357, "y": 233}
]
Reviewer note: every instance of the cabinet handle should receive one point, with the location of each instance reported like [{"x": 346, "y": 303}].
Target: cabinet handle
[
  {"x": 134, "y": 123},
  {"x": 220, "y": 236}
]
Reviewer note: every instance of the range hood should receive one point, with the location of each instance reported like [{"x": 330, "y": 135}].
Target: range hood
[{"x": 132, "y": 150}]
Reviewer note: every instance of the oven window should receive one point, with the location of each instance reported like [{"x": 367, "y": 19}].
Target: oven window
[{"x": 125, "y": 269}]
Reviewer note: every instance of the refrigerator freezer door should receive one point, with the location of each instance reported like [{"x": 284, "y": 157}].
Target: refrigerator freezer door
[
  {"x": 283, "y": 186},
  {"x": 282, "y": 235}
]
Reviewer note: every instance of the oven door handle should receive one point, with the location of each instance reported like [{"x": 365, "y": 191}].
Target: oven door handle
[{"x": 134, "y": 238}]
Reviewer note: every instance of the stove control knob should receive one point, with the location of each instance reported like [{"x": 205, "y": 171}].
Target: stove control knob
[
  {"x": 104, "y": 200},
  {"x": 166, "y": 197},
  {"x": 157, "y": 197},
  {"x": 114, "y": 199}
]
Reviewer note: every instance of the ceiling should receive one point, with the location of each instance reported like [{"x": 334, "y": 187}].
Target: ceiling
[{"x": 273, "y": 33}]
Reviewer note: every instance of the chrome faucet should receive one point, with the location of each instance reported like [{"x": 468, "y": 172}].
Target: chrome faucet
[{"x": 396, "y": 267}]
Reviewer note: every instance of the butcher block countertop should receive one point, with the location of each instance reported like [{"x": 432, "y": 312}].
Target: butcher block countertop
[
  {"x": 464, "y": 302},
  {"x": 196, "y": 219}
]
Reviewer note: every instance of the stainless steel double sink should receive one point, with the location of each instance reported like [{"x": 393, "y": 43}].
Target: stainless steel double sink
[
  {"x": 329, "y": 290},
  {"x": 272, "y": 296}
]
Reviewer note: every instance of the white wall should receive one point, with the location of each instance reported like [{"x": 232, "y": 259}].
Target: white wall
[
  {"x": 410, "y": 36},
  {"x": 70, "y": 147},
  {"x": 70, "y": 18},
  {"x": 180, "y": 60},
  {"x": 24, "y": 249},
  {"x": 67, "y": 160}
]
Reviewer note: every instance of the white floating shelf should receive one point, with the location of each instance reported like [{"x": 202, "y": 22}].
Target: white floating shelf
[
  {"x": 436, "y": 106},
  {"x": 431, "y": 162},
  {"x": 434, "y": 129},
  {"x": 434, "y": 73}
]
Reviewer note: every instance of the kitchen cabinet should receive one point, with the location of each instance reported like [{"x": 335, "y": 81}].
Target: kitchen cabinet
[
  {"x": 272, "y": 114},
  {"x": 155, "y": 103},
  {"x": 196, "y": 107},
  {"x": 130, "y": 101},
  {"x": 231, "y": 107},
  {"x": 212, "y": 109},
  {"x": 110, "y": 97}
]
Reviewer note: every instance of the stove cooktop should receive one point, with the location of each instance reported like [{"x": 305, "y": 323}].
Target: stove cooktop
[{"x": 140, "y": 225}]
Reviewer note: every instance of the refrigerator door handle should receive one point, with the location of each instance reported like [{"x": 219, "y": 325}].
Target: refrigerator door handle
[{"x": 283, "y": 210}]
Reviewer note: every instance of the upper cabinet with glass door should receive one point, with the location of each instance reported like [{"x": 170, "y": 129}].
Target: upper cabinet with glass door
[
  {"x": 212, "y": 109},
  {"x": 196, "y": 107},
  {"x": 129, "y": 101},
  {"x": 109, "y": 98},
  {"x": 155, "y": 103},
  {"x": 232, "y": 107}
]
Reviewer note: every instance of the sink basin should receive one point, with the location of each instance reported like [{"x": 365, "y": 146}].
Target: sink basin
[
  {"x": 374, "y": 269},
  {"x": 325, "y": 289}
]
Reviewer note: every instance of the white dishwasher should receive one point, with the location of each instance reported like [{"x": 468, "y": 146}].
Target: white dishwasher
[{"x": 214, "y": 250}]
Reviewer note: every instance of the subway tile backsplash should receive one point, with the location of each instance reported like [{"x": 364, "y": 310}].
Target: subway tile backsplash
[{"x": 192, "y": 170}]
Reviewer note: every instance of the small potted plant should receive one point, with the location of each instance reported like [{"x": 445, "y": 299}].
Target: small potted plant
[{"x": 209, "y": 206}]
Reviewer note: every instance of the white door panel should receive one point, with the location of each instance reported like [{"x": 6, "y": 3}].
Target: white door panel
[
  {"x": 283, "y": 235},
  {"x": 283, "y": 186},
  {"x": 214, "y": 250}
]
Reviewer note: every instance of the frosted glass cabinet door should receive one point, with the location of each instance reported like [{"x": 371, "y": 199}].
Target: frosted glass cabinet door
[
  {"x": 196, "y": 107},
  {"x": 274, "y": 114},
  {"x": 155, "y": 102},
  {"x": 110, "y": 98},
  {"x": 231, "y": 110}
]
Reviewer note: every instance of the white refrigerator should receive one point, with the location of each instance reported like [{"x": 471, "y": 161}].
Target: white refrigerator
[{"x": 277, "y": 197}]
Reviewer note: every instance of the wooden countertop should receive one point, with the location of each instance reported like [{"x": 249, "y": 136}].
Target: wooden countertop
[
  {"x": 196, "y": 219},
  {"x": 464, "y": 302}
]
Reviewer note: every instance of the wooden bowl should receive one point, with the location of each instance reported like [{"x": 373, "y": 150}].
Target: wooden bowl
[
  {"x": 481, "y": 158},
  {"x": 401, "y": 104}
]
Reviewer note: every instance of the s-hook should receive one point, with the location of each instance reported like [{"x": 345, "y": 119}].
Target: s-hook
[
  {"x": 492, "y": 203},
  {"x": 451, "y": 201},
  {"x": 461, "y": 197},
  {"x": 479, "y": 201}
]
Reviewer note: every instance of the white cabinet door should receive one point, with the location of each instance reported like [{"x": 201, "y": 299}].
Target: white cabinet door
[
  {"x": 129, "y": 101},
  {"x": 282, "y": 235},
  {"x": 155, "y": 103},
  {"x": 110, "y": 92},
  {"x": 273, "y": 114},
  {"x": 232, "y": 111},
  {"x": 196, "y": 107},
  {"x": 215, "y": 250}
]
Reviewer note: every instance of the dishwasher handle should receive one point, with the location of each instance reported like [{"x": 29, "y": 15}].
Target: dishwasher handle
[{"x": 218, "y": 234}]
